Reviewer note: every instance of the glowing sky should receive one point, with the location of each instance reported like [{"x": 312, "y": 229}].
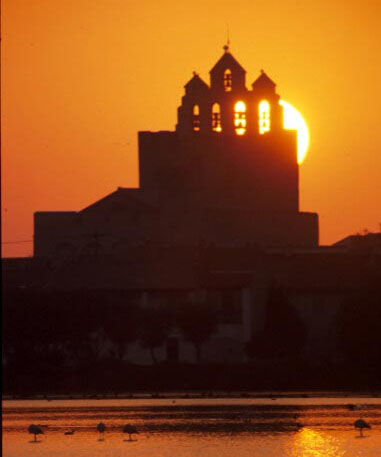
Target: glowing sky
[{"x": 81, "y": 77}]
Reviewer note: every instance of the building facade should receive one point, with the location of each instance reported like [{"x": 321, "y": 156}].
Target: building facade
[
  {"x": 215, "y": 222},
  {"x": 228, "y": 176}
]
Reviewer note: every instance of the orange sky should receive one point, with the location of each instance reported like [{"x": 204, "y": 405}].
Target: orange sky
[{"x": 81, "y": 77}]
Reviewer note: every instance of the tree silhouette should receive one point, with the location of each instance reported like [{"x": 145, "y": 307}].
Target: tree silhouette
[
  {"x": 155, "y": 325},
  {"x": 121, "y": 322},
  {"x": 358, "y": 326},
  {"x": 284, "y": 333},
  {"x": 197, "y": 321}
]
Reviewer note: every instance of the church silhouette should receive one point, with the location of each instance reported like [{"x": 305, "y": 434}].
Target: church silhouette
[
  {"x": 227, "y": 176},
  {"x": 214, "y": 227}
]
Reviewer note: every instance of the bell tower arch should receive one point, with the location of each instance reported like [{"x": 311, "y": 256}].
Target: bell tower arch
[{"x": 227, "y": 75}]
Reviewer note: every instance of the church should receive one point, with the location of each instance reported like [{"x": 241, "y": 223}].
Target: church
[
  {"x": 227, "y": 176},
  {"x": 215, "y": 222}
]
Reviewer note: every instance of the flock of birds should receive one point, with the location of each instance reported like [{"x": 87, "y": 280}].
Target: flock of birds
[
  {"x": 35, "y": 430},
  {"x": 359, "y": 424},
  {"x": 101, "y": 428}
]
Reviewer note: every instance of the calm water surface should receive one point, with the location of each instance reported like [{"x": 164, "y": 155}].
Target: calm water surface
[{"x": 282, "y": 427}]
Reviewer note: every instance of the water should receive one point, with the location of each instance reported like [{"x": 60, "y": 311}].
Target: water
[{"x": 244, "y": 427}]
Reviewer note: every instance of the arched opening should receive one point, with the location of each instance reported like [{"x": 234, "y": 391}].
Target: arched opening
[
  {"x": 228, "y": 80},
  {"x": 264, "y": 116},
  {"x": 196, "y": 118},
  {"x": 216, "y": 118},
  {"x": 240, "y": 118}
]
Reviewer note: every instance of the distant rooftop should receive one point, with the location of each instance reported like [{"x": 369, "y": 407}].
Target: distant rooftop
[{"x": 368, "y": 240}]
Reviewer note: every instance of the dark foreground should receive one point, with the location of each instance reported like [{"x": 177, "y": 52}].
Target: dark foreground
[{"x": 110, "y": 377}]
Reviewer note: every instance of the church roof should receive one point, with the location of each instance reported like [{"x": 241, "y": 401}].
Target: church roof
[
  {"x": 122, "y": 198},
  {"x": 196, "y": 83},
  {"x": 227, "y": 61},
  {"x": 263, "y": 81},
  {"x": 371, "y": 240}
]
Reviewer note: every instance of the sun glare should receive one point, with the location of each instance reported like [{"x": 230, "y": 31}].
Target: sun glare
[
  {"x": 314, "y": 443},
  {"x": 293, "y": 120}
]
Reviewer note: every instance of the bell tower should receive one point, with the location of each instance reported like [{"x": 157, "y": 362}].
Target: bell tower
[
  {"x": 227, "y": 107},
  {"x": 268, "y": 114},
  {"x": 230, "y": 162},
  {"x": 227, "y": 75},
  {"x": 227, "y": 176}
]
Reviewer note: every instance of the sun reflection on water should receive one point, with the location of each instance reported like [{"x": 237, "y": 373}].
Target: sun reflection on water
[
  {"x": 315, "y": 443},
  {"x": 305, "y": 427}
]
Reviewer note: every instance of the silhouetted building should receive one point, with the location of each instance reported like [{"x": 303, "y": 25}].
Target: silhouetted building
[
  {"x": 215, "y": 221},
  {"x": 370, "y": 242},
  {"x": 227, "y": 176}
]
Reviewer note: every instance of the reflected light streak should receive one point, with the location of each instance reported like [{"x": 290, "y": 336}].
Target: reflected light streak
[{"x": 311, "y": 443}]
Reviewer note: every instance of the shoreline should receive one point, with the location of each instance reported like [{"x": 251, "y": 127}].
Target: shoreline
[{"x": 197, "y": 395}]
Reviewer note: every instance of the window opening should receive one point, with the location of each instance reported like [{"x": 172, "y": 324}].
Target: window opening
[
  {"x": 216, "y": 118},
  {"x": 240, "y": 118},
  {"x": 264, "y": 117},
  {"x": 228, "y": 80},
  {"x": 196, "y": 119}
]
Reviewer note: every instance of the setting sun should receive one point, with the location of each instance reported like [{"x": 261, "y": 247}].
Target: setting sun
[{"x": 293, "y": 120}]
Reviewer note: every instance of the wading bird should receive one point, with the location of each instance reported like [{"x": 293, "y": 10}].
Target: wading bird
[
  {"x": 360, "y": 424},
  {"x": 35, "y": 430},
  {"x": 130, "y": 429},
  {"x": 101, "y": 428}
]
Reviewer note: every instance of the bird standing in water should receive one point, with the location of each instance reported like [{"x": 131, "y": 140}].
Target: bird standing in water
[
  {"x": 101, "y": 428},
  {"x": 35, "y": 430},
  {"x": 130, "y": 429},
  {"x": 361, "y": 424}
]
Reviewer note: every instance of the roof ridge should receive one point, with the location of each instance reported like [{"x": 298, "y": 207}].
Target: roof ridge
[{"x": 227, "y": 55}]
